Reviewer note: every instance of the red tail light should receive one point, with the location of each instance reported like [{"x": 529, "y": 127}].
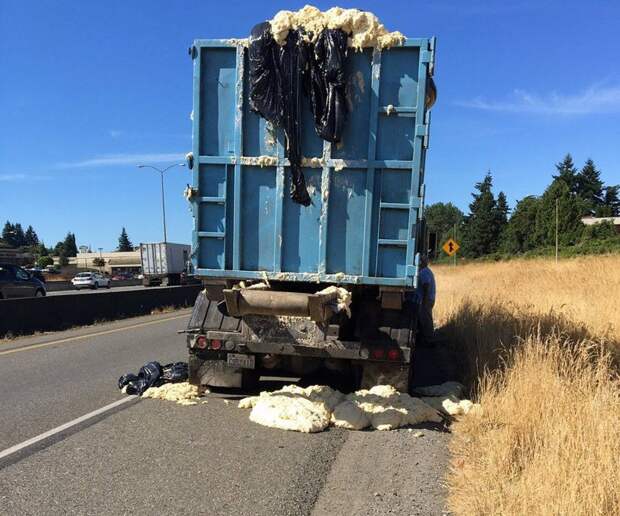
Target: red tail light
[
  {"x": 201, "y": 342},
  {"x": 393, "y": 354},
  {"x": 216, "y": 344},
  {"x": 378, "y": 354}
]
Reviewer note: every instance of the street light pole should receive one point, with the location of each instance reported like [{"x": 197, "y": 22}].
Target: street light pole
[{"x": 163, "y": 202}]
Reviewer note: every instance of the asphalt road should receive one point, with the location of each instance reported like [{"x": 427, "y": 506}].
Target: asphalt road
[{"x": 155, "y": 457}]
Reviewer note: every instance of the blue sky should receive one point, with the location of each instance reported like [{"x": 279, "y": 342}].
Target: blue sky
[{"x": 90, "y": 89}]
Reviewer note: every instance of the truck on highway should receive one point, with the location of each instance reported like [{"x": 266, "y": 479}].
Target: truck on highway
[
  {"x": 164, "y": 263},
  {"x": 295, "y": 288}
]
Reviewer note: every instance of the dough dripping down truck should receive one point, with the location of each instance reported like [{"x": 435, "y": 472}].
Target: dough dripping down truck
[{"x": 308, "y": 166}]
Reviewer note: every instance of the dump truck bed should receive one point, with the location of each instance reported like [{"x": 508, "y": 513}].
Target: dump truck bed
[{"x": 367, "y": 191}]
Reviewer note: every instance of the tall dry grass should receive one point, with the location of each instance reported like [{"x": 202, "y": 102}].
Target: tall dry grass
[{"x": 535, "y": 341}]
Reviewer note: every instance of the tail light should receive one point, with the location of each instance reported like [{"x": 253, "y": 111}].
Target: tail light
[
  {"x": 201, "y": 342},
  {"x": 378, "y": 353},
  {"x": 216, "y": 344},
  {"x": 393, "y": 354}
]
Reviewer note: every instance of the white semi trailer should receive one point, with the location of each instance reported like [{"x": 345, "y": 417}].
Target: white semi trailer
[{"x": 164, "y": 263}]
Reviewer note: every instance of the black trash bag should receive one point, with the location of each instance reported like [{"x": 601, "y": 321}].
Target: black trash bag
[
  {"x": 326, "y": 84},
  {"x": 276, "y": 88},
  {"x": 266, "y": 97},
  {"x": 175, "y": 372},
  {"x": 148, "y": 376},
  {"x": 125, "y": 379}
]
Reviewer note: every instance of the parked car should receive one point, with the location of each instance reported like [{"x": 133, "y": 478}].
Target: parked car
[
  {"x": 18, "y": 282},
  {"x": 90, "y": 280}
]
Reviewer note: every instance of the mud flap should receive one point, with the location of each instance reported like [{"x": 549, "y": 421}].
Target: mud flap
[
  {"x": 380, "y": 373},
  {"x": 215, "y": 373}
]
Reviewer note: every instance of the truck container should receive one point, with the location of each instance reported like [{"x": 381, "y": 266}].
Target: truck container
[
  {"x": 266, "y": 259},
  {"x": 164, "y": 262}
]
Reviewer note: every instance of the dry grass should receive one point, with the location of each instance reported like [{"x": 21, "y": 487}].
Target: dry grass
[
  {"x": 583, "y": 290},
  {"x": 535, "y": 341}
]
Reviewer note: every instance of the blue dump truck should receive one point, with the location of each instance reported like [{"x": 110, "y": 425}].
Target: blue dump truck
[{"x": 268, "y": 258}]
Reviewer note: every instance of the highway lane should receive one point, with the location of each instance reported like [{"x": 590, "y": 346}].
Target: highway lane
[
  {"x": 152, "y": 457},
  {"x": 43, "y": 387}
]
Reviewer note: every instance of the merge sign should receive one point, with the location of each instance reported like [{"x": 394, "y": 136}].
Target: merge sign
[{"x": 451, "y": 247}]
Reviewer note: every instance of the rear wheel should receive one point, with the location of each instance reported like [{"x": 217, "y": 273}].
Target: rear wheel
[
  {"x": 96, "y": 286},
  {"x": 109, "y": 284},
  {"x": 39, "y": 293}
]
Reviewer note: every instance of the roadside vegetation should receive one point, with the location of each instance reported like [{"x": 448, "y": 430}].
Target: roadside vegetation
[
  {"x": 491, "y": 230},
  {"x": 539, "y": 346}
]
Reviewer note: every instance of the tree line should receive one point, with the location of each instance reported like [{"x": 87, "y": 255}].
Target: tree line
[
  {"x": 13, "y": 235},
  {"x": 491, "y": 228}
]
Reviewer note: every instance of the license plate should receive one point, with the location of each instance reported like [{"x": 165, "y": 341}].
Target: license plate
[{"x": 239, "y": 360}]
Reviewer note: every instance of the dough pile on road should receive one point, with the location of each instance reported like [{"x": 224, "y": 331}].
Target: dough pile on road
[
  {"x": 312, "y": 409},
  {"x": 183, "y": 393},
  {"x": 363, "y": 27}
]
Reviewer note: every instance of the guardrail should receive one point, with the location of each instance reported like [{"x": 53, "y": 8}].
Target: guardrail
[{"x": 32, "y": 314}]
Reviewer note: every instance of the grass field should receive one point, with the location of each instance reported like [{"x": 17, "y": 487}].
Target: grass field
[{"x": 538, "y": 343}]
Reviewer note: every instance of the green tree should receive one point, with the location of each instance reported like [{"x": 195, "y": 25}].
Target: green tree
[
  {"x": 124, "y": 244},
  {"x": 611, "y": 203},
  {"x": 58, "y": 249},
  {"x": 44, "y": 261},
  {"x": 98, "y": 262},
  {"x": 481, "y": 228},
  {"x": 63, "y": 261},
  {"x": 599, "y": 231},
  {"x": 441, "y": 219},
  {"x": 30, "y": 237},
  {"x": 501, "y": 214},
  {"x": 589, "y": 187},
  {"x": 519, "y": 236},
  {"x": 567, "y": 173},
  {"x": 20, "y": 237},
  {"x": 69, "y": 245},
  {"x": 8, "y": 234},
  {"x": 570, "y": 210}
]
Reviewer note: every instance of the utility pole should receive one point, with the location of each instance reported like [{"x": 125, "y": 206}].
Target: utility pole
[
  {"x": 557, "y": 218},
  {"x": 163, "y": 202}
]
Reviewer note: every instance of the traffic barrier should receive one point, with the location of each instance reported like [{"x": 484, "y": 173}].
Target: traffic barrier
[
  {"x": 55, "y": 286},
  {"x": 32, "y": 314}
]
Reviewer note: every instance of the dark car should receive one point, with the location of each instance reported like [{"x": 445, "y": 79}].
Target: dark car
[{"x": 18, "y": 282}]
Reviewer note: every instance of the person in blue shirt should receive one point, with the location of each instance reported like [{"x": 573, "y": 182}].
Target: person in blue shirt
[{"x": 425, "y": 296}]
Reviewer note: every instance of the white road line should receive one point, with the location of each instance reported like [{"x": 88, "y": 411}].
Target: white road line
[
  {"x": 62, "y": 428},
  {"x": 87, "y": 335}
]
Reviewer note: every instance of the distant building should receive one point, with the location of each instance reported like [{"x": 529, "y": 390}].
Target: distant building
[{"x": 590, "y": 221}]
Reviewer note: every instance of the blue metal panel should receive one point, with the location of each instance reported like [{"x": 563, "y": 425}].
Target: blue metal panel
[
  {"x": 366, "y": 191},
  {"x": 257, "y": 217},
  {"x": 300, "y": 227}
]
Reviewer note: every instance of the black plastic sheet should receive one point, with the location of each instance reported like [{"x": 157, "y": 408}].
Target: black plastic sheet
[
  {"x": 280, "y": 75},
  {"x": 153, "y": 374},
  {"x": 326, "y": 84}
]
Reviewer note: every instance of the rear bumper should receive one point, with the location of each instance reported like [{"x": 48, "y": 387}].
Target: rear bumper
[{"x": 332, "y": 349}]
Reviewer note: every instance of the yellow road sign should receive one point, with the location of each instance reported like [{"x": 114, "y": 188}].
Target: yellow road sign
[{"x": 451, "y": 247}]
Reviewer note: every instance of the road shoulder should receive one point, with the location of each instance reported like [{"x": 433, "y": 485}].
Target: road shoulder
[{"x": 395, "y": 472}]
